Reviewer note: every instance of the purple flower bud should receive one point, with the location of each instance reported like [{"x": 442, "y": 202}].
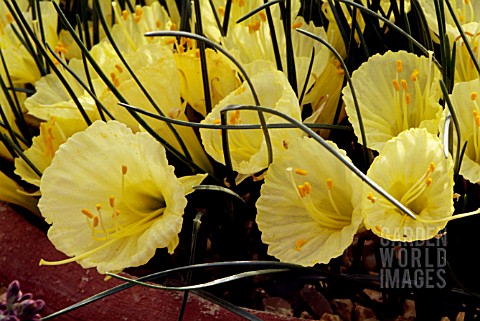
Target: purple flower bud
[
  {"x": 13, "y": 293},
  {"x": 26, "y": 296},
  {"x": 28, "y": 309}
]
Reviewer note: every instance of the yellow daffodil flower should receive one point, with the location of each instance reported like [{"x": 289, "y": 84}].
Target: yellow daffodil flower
[
  {"x": 53, "y": 133},
  {"x": 249, "y": 43},
  {"x": 51, "y": 99},
  {"x": 12, "y": 193},
  {"x": 222, "y": 78},
  {"x": 248, "y": 148},
  {"x": 130, "y": 27},
  {"x": 325, "y": 95},
  {"x": 19, "y": 61},
  {"x": 467, "y": 11},
  {"x": 333, "y": 31},
  {"x": 154, "y": 66},
  {"x": 10, "y": 118},
  {"x": 466, "y": 103},
  {"x": 112, "y": 198},
  {"x": 414, "y": 170},
  {"x": 395, "y": 91},
  {"x": 239, "y": 8},
  {"x": 251, "y": 40},
  {"x": 464, "y": 66},
  {"x": 309, "y": 210}
]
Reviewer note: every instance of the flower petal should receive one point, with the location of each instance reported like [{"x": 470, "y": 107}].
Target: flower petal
[{"x": 315, "y": 227}]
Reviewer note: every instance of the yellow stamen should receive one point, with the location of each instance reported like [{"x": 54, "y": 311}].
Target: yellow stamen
[
  {"x": 300, "y": 171},
  {"x": 254, "y": 26},
  {"x": 396, "y": 85},
  {"x": 407, "y": 98},
  {"x": 419, "y": 186},
  {"x": 296, "y": 25},
  {"x": 404, "y": 84},
  {"x": 431, "y": 167},
  {"x": 173, "y": 27},
  {"x": 87, "y": 213},
  {"x": 414, "y": 75},
  {"x": 158, "y": 24},
  {"x": 329, "y": 184},
  {"x": 115, "y": 79},
  {"x": 301, "y": 190},
  {"x": 125, "y": 14},
  {"x": 221, "y": 11},
  {"x": 378, "y": 228},
  {"x": 138, "y": 14},
  {"x": 60, "y": 48},
  {"x": 429, "y": 181},
  {"x": 299, "y": 244},
  {"x": 124, "y": 169},
  {"x": 262, "y": 16},
  {"x": 371, "y": 198},
  {"x": 307, "y": 187},
  {"x": 473, "y": 95},
  {"x": 111, "y": 200},
  {"x": 119, "y": 68},
  {"x": 9, "y": 17},
  {"x": 95, "y": 221},
  {"x": 399, "y": 66}
]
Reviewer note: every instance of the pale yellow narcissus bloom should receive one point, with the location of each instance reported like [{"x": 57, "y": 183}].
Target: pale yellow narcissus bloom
[
  {"x": 467, "y": 11},
  {"x": 12, "y": 193},
  {"x": 412, "y": 168},
  {"x": 10, "y": 118},
  {"x": 130, "y": 27},
  {"x": 53, "y": 133},
  {"x": 154, "y": 66},
  {"x": 309, "y": 210},
  {"x": 466, "y": 103},
  {"x": 222, "y": 77},
  {"x": 112, "y": 199},
  {"x": 248, "y": 148},
  {"x": 464, "y": 65},
  {"x": 333, "y": 31},
  {"x": 51, "y": 99},
  {"x": 19, "y": 61},
  {"x": 325, "y": 95},
  {"x": 395, "y": 91},
  {"x": 253, "y": 41},
  {"x": 238, "y": 9}
]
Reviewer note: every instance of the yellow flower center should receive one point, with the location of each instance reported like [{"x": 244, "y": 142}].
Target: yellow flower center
[
  {"x": 465, "y": 14},
  {"x": 412, "y": 194},
  {"x": 254, "y": 26},
  {"x": 464, "y": 64},
  {"x": 407, "y": 115},
  {"x": 109, "y": 228},
  {"x": 325, "y": 217},
  {"x": 138, "y": 14}
]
